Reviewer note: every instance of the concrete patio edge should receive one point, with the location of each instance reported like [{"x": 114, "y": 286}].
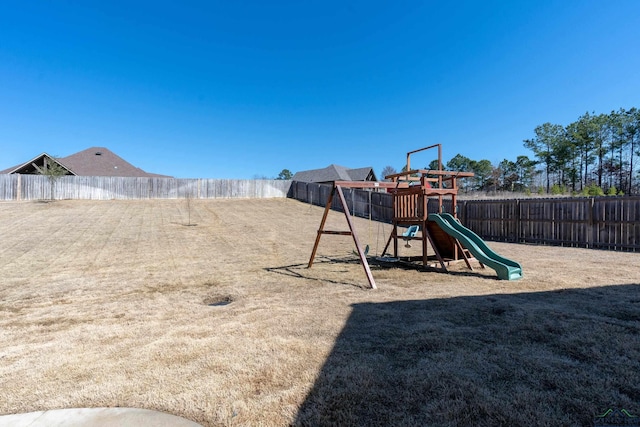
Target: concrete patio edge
[{"x": 95, "y": 417}]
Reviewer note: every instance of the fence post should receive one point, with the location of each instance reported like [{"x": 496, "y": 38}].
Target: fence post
[
  {"x": 592, "y": 235},
  {"x": 517, "y": 231}
]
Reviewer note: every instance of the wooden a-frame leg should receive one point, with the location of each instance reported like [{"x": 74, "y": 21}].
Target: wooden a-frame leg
[
  {"x": 464, "y": 254},
  {"x": 361, "y": 254},
  {"x": 321, "y": 229},
  {"x": 436, "y": 251},
  {"x": 391, "y": 236}
]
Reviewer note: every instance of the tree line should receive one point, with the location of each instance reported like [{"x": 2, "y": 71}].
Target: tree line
[
  {"x": 595, "y": 155},
  {"x": 597, "y": 150}
]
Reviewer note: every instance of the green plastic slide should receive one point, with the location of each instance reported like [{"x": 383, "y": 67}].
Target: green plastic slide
[{"x": 507, "y": 269}]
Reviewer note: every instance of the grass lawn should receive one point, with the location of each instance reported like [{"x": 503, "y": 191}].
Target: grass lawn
[{"x": 205, "y": 309}]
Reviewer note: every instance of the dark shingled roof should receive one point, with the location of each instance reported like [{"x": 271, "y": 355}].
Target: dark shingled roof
[
  {"x": 94, "y": 161},
  {"x": 99, "y": 161},
  {"x": 335, "y": 173}
]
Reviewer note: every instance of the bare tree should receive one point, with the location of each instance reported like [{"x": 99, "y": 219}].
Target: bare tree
[
  {"x": 388, "y": 170},
  {"x": 52, "y": 170}
]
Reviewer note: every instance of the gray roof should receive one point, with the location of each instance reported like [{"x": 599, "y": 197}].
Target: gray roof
[
  {"x": 28, "y": 166},
  {"x": 335, "y": 173},
  {"x": 362, "y": 174},
  {"x": 94, "y": 161}
]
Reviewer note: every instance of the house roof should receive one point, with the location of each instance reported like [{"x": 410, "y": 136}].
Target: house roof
[
  {"x": 335, "y": 173},
  {"x": 94, "y": 161},
  {"x": 100, "y": 161},
  {"x": 28, "y": 166},
  {"x": 362, "y": 174}
]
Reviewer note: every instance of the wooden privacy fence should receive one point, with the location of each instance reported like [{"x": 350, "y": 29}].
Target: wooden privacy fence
[
  {"x": 37, "y": 187},
  {"x": 591, "y": 222}
]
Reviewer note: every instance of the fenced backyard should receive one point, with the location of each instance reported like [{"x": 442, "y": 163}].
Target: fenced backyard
[
  {"x": 611, "y": 223},
  {"x": 36, "y": 187}
]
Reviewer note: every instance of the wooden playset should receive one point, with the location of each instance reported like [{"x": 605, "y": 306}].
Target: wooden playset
[{"x": 412, "y": 190}]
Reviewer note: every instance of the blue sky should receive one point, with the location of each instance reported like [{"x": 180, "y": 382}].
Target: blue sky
[{"x": 243, "y": 89}]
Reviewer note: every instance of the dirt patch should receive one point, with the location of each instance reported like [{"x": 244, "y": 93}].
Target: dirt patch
[{"x": 218, "y": 300}]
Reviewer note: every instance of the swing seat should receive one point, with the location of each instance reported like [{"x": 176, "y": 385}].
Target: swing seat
[
  {"x": 366, "y": 251},
  {"x": 411, "y": 231}
]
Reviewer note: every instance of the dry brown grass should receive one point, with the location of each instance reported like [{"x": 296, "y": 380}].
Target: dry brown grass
[{"x": 109, "y": 304}]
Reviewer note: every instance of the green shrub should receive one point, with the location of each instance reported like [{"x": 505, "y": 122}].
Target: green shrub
[{"x": 592, "y": 190}]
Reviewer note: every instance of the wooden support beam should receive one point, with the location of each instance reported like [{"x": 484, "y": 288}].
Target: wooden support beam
[
  {"x": 384, "y": 251},
  {"x": 369, "y": 184},
  {"x": 463, "y": 252},
  {"x": 436, "y": 251},
  {"x": 341, "y": 233},
  {"x": 361, "y": 254},
  {"x": 327, "y": 208},
  {"x": 395, "y": 239},
  {"x": 430, "y": 172}
]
